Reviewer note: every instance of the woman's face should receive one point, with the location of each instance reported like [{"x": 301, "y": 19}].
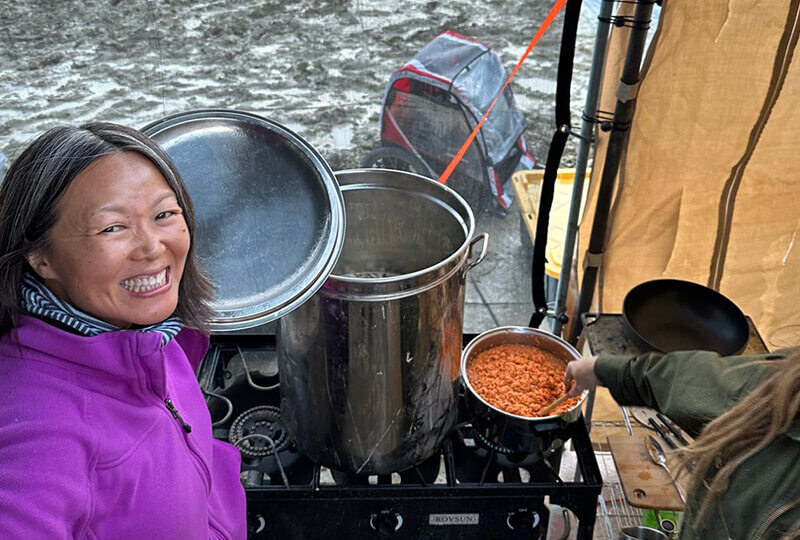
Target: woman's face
[{"x": 119, "y": 244}]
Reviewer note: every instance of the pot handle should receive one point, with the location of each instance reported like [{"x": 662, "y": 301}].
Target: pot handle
[{"x": 484, "y": 249}]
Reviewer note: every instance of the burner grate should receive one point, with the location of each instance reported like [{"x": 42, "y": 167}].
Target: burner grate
[
  {"x": 258, "y": 432},
  {"x": 483, "y": 441}
]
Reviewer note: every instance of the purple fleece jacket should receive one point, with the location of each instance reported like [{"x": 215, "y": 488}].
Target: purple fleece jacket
[{"x": 90, "y": 449}]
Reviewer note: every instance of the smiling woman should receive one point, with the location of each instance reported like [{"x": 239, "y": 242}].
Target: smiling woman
[
  {"x": 103, "y": 308},
  {"x": 77, "y": 207},
  {"x": 121, "y": 231}
]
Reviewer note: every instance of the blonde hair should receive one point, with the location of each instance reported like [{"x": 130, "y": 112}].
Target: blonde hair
[{"x": 742, "y": 432}]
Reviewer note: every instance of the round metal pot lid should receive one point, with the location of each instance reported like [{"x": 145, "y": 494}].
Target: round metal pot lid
[{"x": 269, "y": 213}]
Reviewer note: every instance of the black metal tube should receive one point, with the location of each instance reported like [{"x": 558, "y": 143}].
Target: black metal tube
[
  {"x": 584, "y": 145},
  {"x": 623, "y": 114}
]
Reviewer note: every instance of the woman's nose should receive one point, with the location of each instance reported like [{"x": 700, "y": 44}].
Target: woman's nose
[{"x": 149, "y": 244}]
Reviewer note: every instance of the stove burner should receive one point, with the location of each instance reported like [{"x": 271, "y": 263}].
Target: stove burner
[
  {"x": 258, "y": 432},
  {"x": 499, "y": 448}
]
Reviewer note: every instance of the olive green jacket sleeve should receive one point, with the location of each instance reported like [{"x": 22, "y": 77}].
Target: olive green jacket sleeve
[
  {"x": 762, "y": 501},
  {"x": 691, "y": 387}
]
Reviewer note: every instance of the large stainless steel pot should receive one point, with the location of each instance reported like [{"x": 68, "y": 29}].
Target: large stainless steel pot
[
  {"x": 369, "y": 365},
  {"x": 511, "y": 433}
]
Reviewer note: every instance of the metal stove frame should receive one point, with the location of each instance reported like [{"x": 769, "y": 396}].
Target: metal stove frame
[{"x": 446, "y": 508}]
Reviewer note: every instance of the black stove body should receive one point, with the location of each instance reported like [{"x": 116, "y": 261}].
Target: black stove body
[{"x": 469, "y": 489}]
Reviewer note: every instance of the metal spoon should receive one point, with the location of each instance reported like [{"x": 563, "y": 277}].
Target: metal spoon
[{"x": 657, "y": 456}]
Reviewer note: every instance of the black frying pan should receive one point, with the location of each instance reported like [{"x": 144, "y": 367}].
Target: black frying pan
[{"x": 671, "y": 315}]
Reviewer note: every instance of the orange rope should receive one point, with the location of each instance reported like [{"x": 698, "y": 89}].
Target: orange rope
[{"x": 554, "y": 11}]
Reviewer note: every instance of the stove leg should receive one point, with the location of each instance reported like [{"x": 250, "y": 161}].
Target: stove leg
[
  {"x": 585, "y": 532},
  {"x": 587, "y": 516},
  {"x": 555, "y": 459}
]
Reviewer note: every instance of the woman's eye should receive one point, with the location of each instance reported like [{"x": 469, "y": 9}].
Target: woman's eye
[
  {"x": 111, "y": 229},
  {"x": 166, "y": 214}
]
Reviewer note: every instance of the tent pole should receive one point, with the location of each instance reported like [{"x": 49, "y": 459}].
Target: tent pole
[
  {"x": 584, "y": 145},
  {"x": 623, "y": 115}
]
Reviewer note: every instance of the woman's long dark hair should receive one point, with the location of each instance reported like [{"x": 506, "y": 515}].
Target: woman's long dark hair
[{"x": 29, "y": 198}]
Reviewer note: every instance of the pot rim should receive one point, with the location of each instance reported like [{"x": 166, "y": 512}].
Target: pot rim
[
  {"x": 477, "y": 340},
  {"x": 457, "y": 254}
]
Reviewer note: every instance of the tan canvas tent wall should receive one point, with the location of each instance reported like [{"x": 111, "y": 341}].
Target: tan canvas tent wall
[{"x": 709, "y": 187}]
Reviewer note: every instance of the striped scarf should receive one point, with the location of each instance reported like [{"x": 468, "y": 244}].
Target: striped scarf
[{"x": 38, "y": 300}]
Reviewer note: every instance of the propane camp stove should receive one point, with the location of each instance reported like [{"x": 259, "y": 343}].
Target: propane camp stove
[{"x": 470, "y": 489}]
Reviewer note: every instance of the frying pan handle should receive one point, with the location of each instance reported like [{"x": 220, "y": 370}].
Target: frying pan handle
[{"x": 484, "y": 248}]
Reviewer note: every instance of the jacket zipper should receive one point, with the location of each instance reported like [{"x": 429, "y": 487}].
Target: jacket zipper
[
  {"x": 773, "y": 517},
  {"x": 204, "y": 471},
  {"x": 177, "y": 416}
]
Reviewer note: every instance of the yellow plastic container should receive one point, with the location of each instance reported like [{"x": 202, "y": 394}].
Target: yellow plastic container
[{"x": 528, "y": 187}]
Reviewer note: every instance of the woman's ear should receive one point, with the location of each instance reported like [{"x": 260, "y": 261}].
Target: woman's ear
[{"x": 40, "y": 263}]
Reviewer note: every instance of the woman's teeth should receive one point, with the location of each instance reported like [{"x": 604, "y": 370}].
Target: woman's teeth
[{"x": 147, "y": 283}]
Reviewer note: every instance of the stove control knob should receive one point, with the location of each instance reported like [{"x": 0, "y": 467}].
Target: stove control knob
[
  {"x": 522, "y": 519},
  {"x": 386, "y": 523}
]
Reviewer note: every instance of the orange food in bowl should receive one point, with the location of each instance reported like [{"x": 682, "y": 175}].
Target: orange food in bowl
[{"x": 519, "y": 379}]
